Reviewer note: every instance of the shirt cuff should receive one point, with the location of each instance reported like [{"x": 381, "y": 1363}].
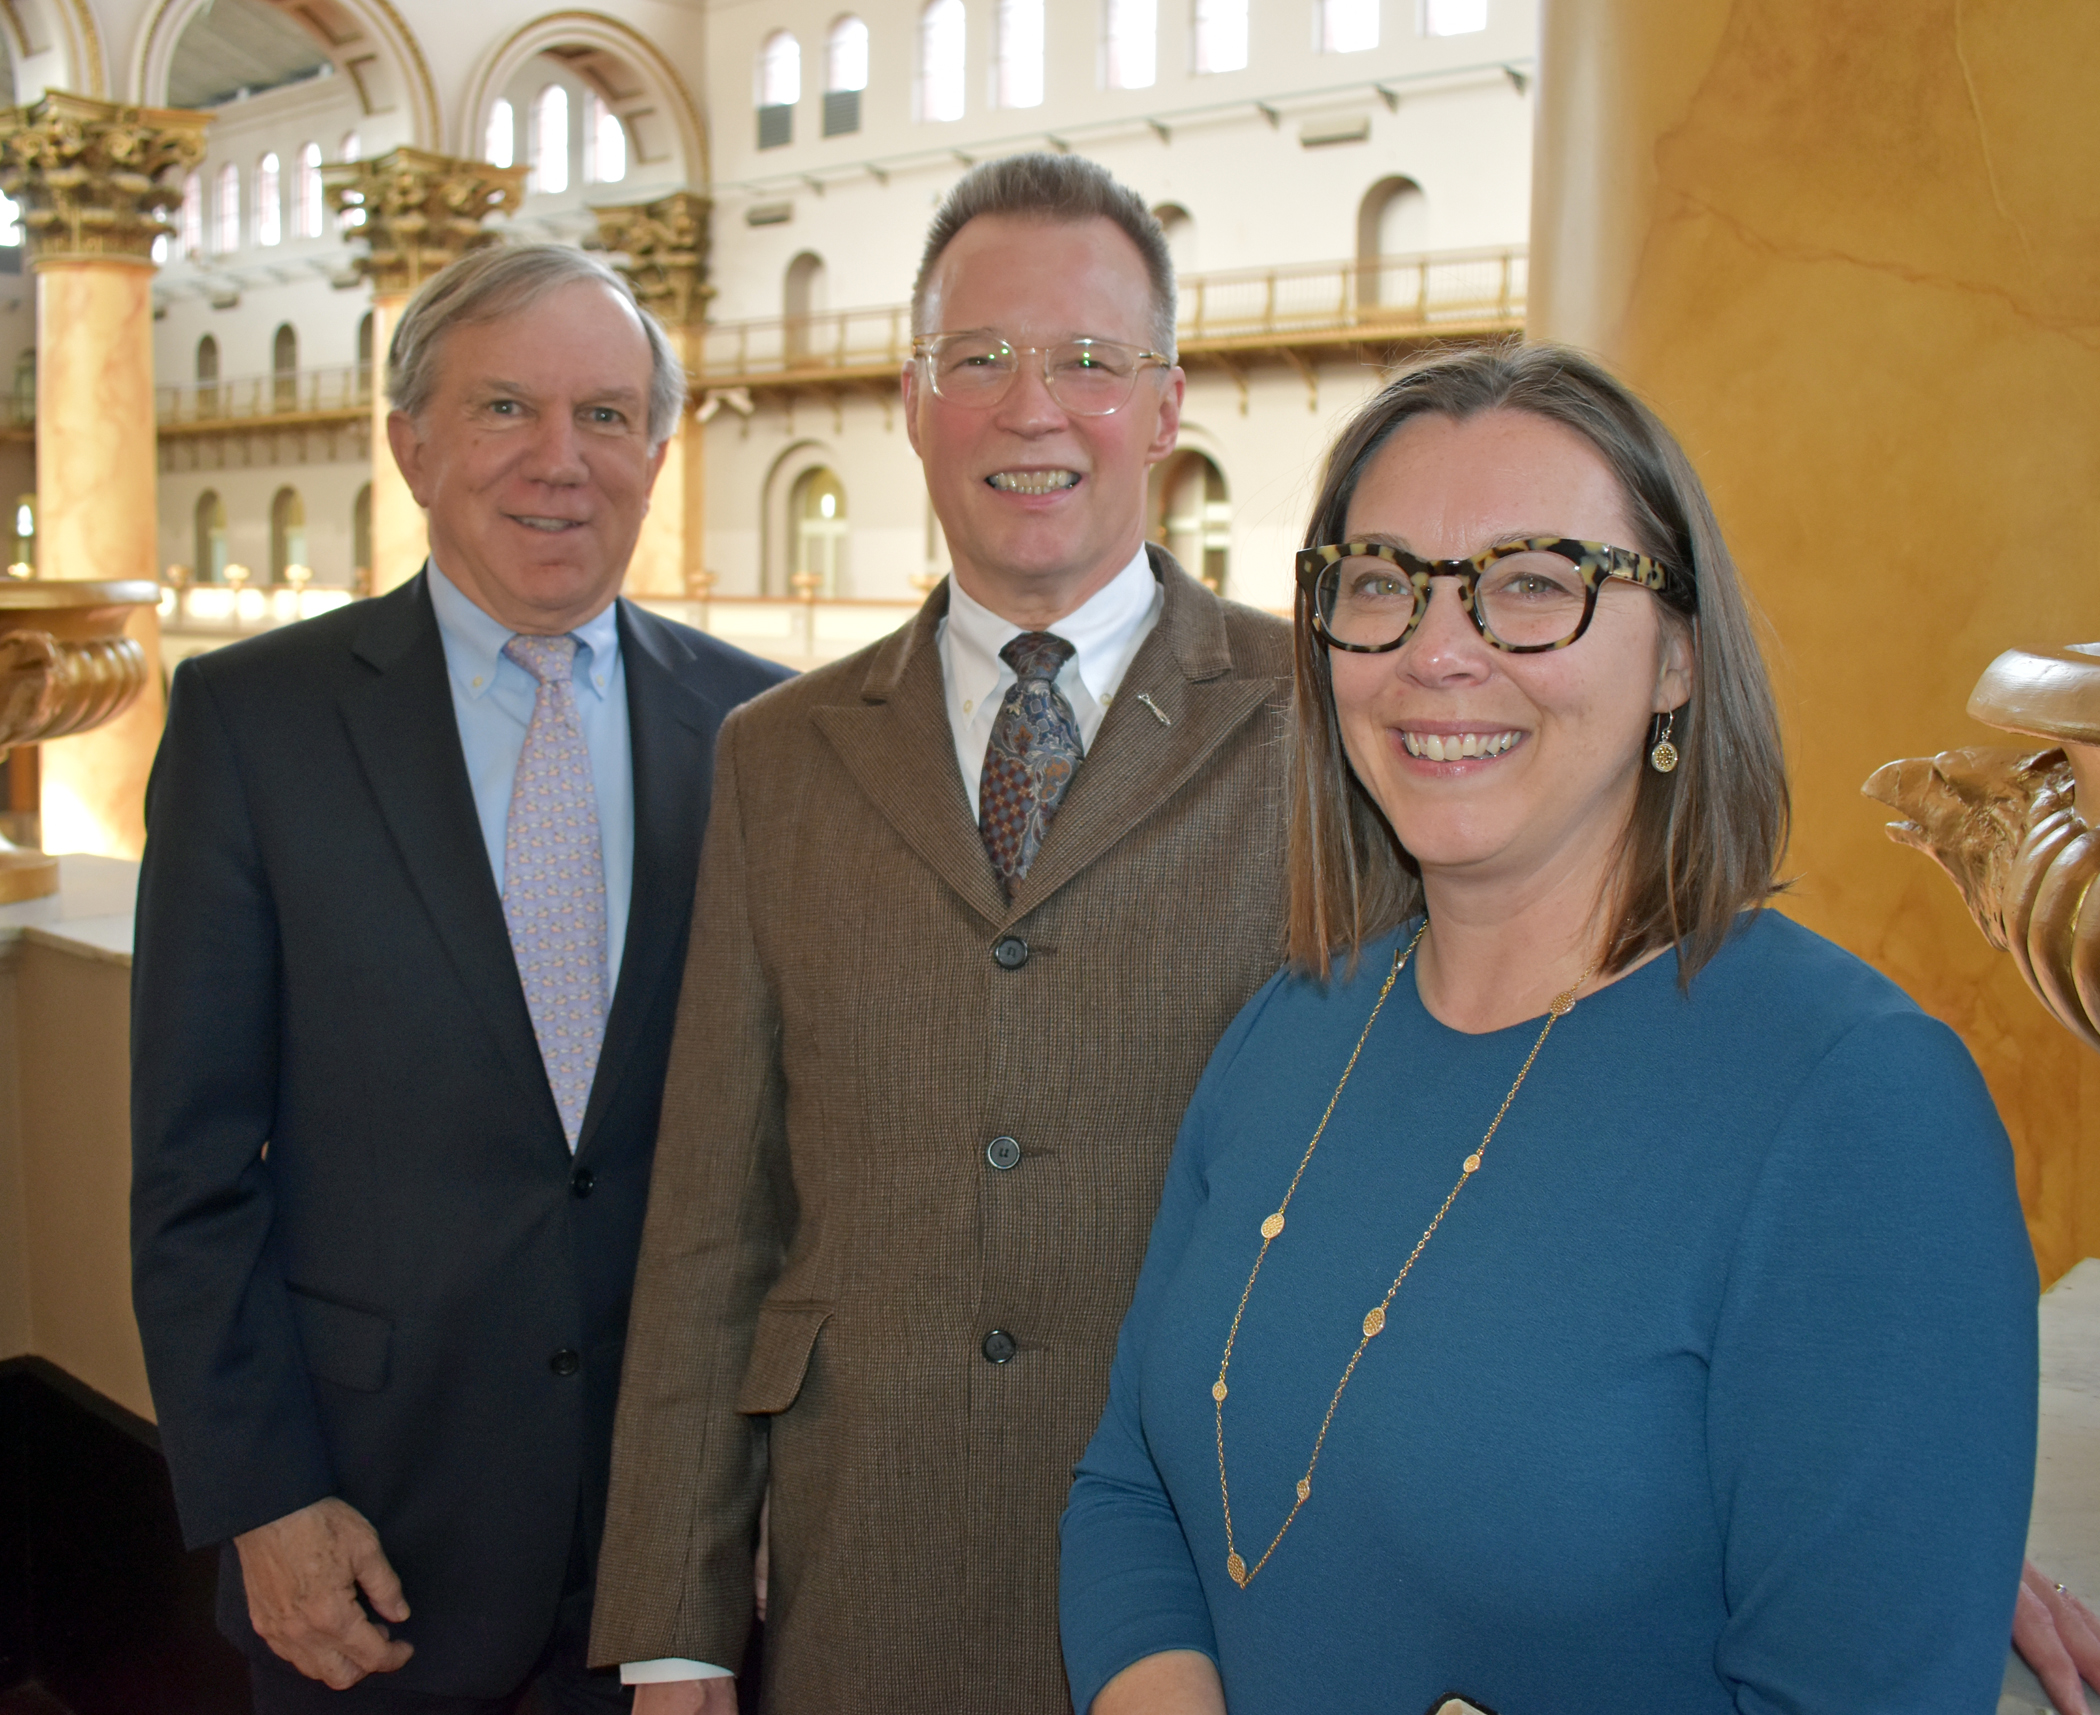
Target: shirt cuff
[{"x": 669, "y": 1670}]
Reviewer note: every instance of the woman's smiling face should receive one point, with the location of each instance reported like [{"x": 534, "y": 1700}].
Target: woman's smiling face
[{"x": 1514, "y": 771}]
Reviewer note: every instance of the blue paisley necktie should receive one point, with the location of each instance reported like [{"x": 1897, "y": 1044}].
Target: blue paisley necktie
[{"x": 1032, "y": 757}]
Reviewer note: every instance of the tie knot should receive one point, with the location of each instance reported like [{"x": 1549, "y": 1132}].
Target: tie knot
[
  {"x": 551, "y": 660},
  {"x": 1036, "y": 654}
]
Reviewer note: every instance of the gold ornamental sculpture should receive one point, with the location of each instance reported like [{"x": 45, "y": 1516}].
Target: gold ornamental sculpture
[
  {"x": 65, "y": 667},
  {"x": 2019, "y": 829},
  {"x": 419, "y": 212}
]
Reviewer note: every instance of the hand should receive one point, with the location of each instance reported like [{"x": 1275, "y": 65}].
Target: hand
[
  {"x": 687, "y": 1697},
  {"x": 2059, "y": 1637},
  {"x": 762, "y": 1564},
  {"x": 303, "y": 1572}
]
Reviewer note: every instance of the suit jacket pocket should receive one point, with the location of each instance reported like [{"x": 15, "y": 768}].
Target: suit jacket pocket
[
  {"x": 345, "y": 1346},
  {"x": 780, "y": 1349}
]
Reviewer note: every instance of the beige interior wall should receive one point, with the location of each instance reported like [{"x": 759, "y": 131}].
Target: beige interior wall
[{"x": 1853, "y": 256}]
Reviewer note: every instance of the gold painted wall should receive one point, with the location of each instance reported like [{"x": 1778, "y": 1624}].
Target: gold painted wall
[{"x": 1852, "y": 254}]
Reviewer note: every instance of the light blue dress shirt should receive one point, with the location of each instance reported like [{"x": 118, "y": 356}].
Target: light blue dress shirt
[{"x": 492, "y": 696}]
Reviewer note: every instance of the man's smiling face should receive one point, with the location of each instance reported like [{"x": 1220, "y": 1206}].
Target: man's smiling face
[
  {"x": 1041, "y": 507},
  {"x": 532, "y": 457}
]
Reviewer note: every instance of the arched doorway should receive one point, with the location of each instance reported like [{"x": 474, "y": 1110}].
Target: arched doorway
[
  {"x": 287, "y": 536},
  {"x": 364, "y": 357},
  {"x": 284, "y": 369},
  {"x": 211, "y": 538},
  {"x": 817, "y": 509},
  {"x": 207, "y": 379},
  {"x": 1392, "y": 228},
  {"x": 1180, "y": 228},
  {"x": 1192, "y": 516},
  {"x": 802, "y": 301}
]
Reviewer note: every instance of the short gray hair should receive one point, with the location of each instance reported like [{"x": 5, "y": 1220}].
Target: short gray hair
[
  {"x": 1063, "y": 188},
  {"x": 496, "y": 281}
]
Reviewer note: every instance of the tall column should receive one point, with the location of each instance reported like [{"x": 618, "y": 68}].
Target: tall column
[
  {"x": 418, "y": 212},
  {"x": 1850, "y": 258},
  {"x": 661, "y": 247},
  {"x": 88, "y": 174}
]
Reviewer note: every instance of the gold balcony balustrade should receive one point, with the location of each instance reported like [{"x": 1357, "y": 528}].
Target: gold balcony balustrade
[
  {"x": 339, "y": 395},
  {"x": 1293, "y": 311}
]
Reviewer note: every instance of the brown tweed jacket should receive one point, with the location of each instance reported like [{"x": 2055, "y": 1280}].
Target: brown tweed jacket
[{"x": 829, "y": 1242}]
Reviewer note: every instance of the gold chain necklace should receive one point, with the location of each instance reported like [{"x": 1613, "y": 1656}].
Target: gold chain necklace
[{"x": 1374, "y": 1320}]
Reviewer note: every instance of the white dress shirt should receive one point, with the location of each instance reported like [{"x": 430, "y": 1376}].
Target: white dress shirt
[{"x": 1105, "y": 632}]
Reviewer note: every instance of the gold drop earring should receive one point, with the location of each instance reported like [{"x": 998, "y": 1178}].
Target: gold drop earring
[{"x": 1662, "y": 757}]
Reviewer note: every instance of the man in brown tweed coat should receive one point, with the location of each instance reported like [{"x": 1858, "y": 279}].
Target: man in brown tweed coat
[{"x": 927, "y": 1073}]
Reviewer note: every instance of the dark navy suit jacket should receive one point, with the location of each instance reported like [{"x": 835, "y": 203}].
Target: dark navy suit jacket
[{"x": 365, "y": 1262}]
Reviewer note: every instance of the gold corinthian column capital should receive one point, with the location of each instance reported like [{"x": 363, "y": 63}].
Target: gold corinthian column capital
[
  {"x": 661, "y": 246},
  {"x": 416, "y": 213},
  {"x": 88, "y": 175}
]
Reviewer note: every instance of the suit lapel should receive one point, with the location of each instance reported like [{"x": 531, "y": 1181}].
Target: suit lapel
[
  {"x": 670, "y": 732},
  {"x": 1137, "y": 760},
  {"x": 402, "y": 726},
  {"x": 900, "y": 750}
]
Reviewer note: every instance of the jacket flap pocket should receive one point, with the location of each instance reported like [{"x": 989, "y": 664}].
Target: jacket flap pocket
[
  {"x": 345, "y": 1346},
  {"x": 780, "y": 1356}
]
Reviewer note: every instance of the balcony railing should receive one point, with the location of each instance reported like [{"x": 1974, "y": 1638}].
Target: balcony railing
[
  {"x": 341, "y": 392},
  {"x": 1318, "y": 303}
]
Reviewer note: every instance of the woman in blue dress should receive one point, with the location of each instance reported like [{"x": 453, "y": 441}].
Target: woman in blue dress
[{"x": 1576, "y": 1288}]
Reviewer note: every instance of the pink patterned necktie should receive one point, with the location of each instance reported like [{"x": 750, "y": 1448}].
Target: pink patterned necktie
[
  {"x": 1033, "y": 753},
  {"x": 554, "y": 880}
]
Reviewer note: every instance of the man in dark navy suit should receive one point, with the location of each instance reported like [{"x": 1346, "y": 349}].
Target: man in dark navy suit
[{"x": 411, "y": 923}]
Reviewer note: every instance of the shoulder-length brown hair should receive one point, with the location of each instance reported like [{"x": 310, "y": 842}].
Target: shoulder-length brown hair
[{"x": 1703, "y": 843}]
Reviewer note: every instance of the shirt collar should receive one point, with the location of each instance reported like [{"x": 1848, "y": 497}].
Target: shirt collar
[
  {"x": 1103, "y": 632},
  {"x": 474, "y": 640}
]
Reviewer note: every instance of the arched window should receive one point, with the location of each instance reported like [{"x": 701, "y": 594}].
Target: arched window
[
  {"x": 1017, "y": 54},
  {"x": 941, "y": 43},
  {"x": 1193, "y": 520},
  {"x": 311, "y": 202},
  {"x": 207, "y": 377},
  {"x": 817, "y": 507},
  {"x": 779, "y": 88},
  {"x": 269, "y": 201},
  {"x": 803, "y": 299},
  {"x": 845, "y": 75},
  {"x": 1454, "y": 17},
  {"x": 10, "y": 221},
  {"x": 190, "y": 229},
  {"x": 353, "y": 150},
  {"x": 1221, "y": 35},
  {"x": 361, "y": 540},
  {"x": 284, "y": 369},
  {"x": 22, "y": 536},
  {"x": 1348, "y": 26},
  {"x": 287, "y": 536},
  {"x": 550, "y": 140},
  {"x": 364, "y": 357},
  {"x": 211, "y": 538},
  {"x": 1180, "y": 230},
  {"x": 353, "y": 147},
  {"x": 1391, "y": 233},
  {"x": 604, "y": 144},
  {"x": 1130, "y": 44},
  {"x": 23, "y": 414},
  {"x": 229, "y": 207},
  {"x": 500, "y": 141}
]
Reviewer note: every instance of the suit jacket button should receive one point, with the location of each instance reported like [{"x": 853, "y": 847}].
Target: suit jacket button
[
  {"x": 999, "y": 1347},
  {"x": 581, "y": 1182},
  {"x": 1010, "y": 952},
  {"x": 565, "y": 1362},
  {"x": 1003, "y": 1153}
]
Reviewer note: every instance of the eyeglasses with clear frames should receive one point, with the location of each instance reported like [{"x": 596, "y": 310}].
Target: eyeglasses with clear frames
[
  {"x": 1524, "y": 597},
  {"x": 1087, "y": 377}
]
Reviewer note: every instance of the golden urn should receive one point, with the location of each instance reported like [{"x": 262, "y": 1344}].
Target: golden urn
[{"x": 65, "y": 667}]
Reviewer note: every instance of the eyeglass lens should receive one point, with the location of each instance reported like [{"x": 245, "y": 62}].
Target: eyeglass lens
[
  {"x": 1088, "y": 376},
  {"x": 1529, "y": 599}
]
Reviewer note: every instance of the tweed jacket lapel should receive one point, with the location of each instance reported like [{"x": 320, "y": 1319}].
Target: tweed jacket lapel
[
  {"x": 1138, "y": 760},
  {"x": 900, "y": 750},
  {"x": 406, "y": 736}
]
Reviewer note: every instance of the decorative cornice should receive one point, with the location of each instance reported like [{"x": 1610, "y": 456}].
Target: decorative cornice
[
  {"x": 661, "y": 246},
  {"x": 421, "y": 211},
  {"x": 88, "y": 174}
]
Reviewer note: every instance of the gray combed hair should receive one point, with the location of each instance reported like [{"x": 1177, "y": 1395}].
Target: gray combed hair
[
  {"x": 1063, "y": 188},
  {"x": 497, "y": 281}
]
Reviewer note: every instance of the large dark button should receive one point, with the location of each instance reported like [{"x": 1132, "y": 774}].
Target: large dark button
[
  {"x": 1010, "y": 952},
  {"x": 1003, "y": 1153},
  {"x": 999, "y": 1347},
  {"x": 565, "y": 1362},
  {"x": 581, "y": 1182}
]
